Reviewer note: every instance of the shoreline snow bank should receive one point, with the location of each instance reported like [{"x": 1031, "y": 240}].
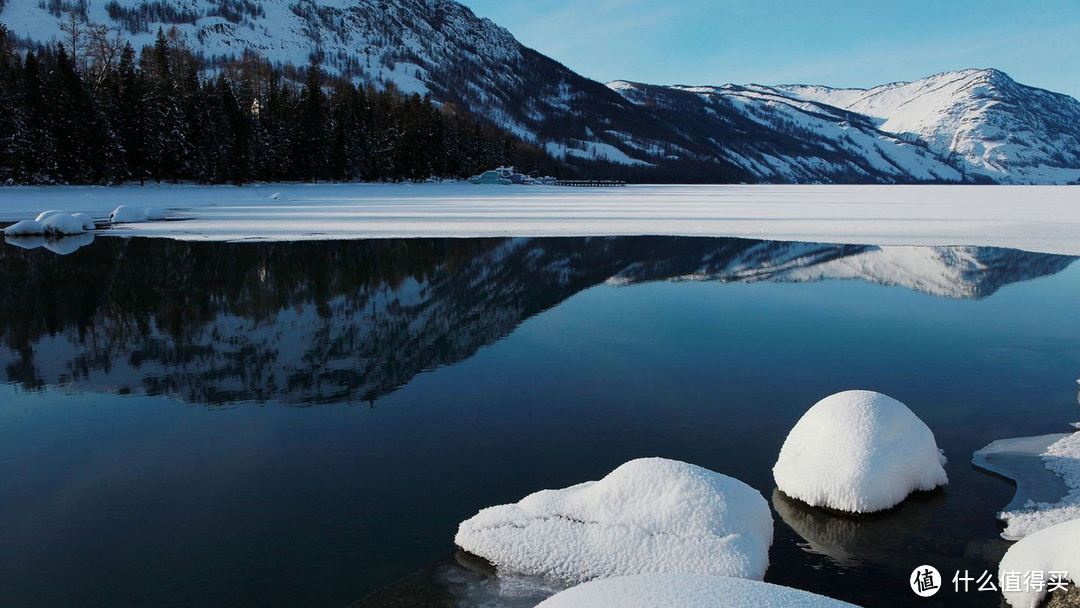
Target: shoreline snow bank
[
  {"x": 647, "y": 516},
  {"x": 1032, "y": 218},
  {"x": 860, "y": 452},
  {"x": 1055, "y": 549},
  {"x": 1046, "y": 470},
  {"x": 686, "y": 591}
]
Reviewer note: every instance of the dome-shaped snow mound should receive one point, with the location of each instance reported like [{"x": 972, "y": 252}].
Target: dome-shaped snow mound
[
  {"x": 1049, "y": 551},
  {"x": 685, "y": 591},
  {"x": 648, "y": 515},
  {"x": 858, "y": 451}
]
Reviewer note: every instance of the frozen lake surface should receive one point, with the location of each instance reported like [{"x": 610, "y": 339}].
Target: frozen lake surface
[
  {"x": 306, "y": 423},
  {"x": 1033, "y": 218}
]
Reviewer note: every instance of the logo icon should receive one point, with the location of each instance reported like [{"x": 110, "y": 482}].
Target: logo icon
[{"x": 925, "y": 581}]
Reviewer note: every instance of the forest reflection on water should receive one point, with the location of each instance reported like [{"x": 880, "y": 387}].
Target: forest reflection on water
[{"x": 350, "y": 321}]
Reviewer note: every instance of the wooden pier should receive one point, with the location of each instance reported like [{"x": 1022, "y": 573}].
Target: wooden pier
[{"x": 589, "y": 183}]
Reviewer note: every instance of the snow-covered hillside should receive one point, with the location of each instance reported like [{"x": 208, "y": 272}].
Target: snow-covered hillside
[
  {"x": 780, "y": 139},
  {"x": 972, "y": 125},
  {"x": 989, "y": 124},
  {"x": 424, "y": 46}
]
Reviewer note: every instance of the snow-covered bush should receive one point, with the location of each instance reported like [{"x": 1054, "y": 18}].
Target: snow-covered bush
[
  {"x": 648, "y": 515},
  {"x": 858, "y": 451}
]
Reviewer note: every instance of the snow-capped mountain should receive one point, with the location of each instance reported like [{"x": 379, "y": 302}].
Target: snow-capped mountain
[
  {"x": 970, "y": 125},
  {"x": 967, "y": 126},
  {"x": 989, "y": 124},
  {"x": 343, "y": 321},
  {"x": 779, "y": 138}
]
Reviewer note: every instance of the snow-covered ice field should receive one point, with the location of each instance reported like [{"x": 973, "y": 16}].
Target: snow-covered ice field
[{"x": 1035, "y": 218}]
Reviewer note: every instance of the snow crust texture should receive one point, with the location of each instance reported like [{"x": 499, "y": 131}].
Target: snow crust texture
[
  {"x": 1054, "y": 549},
  {"x": 860, "y": 452},
  {"x": 649, "y": 515},
  {"x": 685, "y": 591}
]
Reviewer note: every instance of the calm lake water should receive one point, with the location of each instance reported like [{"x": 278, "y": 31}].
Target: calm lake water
[{"x": 305, "y": 424}]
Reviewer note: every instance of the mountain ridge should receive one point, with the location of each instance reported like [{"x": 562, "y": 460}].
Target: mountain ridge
[{"x": 999, "y": 131}]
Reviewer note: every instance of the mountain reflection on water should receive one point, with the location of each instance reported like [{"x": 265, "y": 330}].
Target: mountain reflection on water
[{"x": 345, "y": 321}]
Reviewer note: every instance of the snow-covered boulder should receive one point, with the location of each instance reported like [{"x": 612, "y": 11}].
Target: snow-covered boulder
[
  {"x": 858, "y": 451},
  {"x": 1051, "y": 550},
  {"x": 648, "y": 515},
  {"x": 87, "y": 220},
  {"x": 62, "y": 224},
  {"x": 686, "y": 591},
  {"x": 25, "y": 228},
  {"x": 125, "y": 214}
]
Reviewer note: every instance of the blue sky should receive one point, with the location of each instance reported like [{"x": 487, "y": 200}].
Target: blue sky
[{"x": 835, "y": 42}]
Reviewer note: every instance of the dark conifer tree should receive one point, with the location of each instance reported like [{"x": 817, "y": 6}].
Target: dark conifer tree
[
  {"x": 311, "y": 144},
  {"x": 36, "y": 147},
  {"x": 129, "y": 120},
  {"x": 11, "y": 119}
]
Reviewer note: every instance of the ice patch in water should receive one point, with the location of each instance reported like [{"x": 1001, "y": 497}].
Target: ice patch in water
[{"x": 1046, "y": 470}]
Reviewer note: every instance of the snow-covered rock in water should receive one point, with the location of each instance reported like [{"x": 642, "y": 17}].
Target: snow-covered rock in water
[
  {"x": 648, "y": 515},
  {"x": 685, "y": 591},
  {"x": 25, "y": 228},
  {"x": 62, "y": 224},
  {"x": 858, "y": 451},
  {"x": 1050, "y": 551},
  {"x": 125, "y": 214},
  {"x": 87, "y": 221},
  {"x": 275, "y": 196}
]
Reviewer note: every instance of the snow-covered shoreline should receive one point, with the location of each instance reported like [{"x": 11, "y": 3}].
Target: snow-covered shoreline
[
  {"x": 1047, "y": 479},
  {"x": 1044, "y": 219}
]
